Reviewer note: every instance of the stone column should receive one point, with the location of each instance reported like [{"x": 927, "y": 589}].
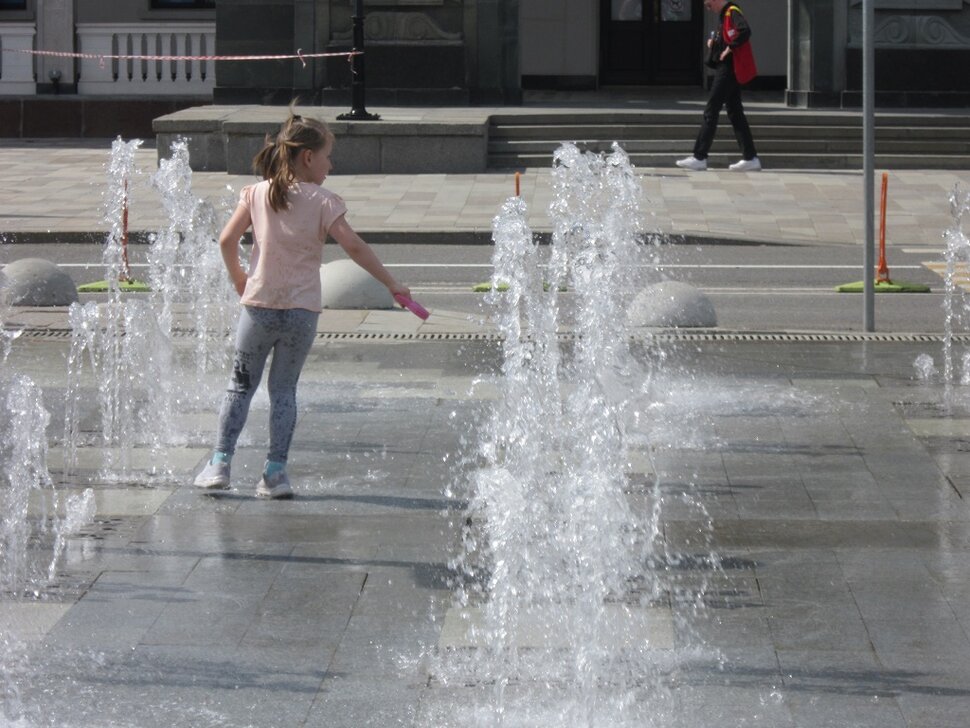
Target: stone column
[
  {"x": 55, "y": 32},
  {"x": 816, "y": 56},
  {"x": 321, "y": 40},
  {"x": 304, "y": 24},
  {"x": 494, "y": 52}
]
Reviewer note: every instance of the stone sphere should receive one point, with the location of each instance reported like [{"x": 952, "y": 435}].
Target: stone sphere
[
  {"x": 345, "y": 284},
  {"x": 37, "y": 282},
  {"x": 672, "y": 304}
]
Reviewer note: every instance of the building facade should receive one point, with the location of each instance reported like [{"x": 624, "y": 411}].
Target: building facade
[{"x": 475, "y": 51}]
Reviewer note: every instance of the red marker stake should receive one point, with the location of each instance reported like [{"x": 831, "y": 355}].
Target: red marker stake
[{"x": 413, "y": 306}]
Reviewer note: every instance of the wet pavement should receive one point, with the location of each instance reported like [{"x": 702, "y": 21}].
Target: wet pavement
[
  {"x": 827, "y": 477},
  {"x": 830, "y": 479}
]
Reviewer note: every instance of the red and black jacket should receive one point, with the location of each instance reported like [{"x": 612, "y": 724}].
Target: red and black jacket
[{"x": 736, "y": 34}]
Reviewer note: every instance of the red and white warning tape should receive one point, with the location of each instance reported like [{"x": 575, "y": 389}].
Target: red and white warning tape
[{"x": 102, "y": 57}]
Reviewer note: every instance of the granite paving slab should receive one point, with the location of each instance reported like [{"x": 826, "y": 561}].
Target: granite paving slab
[{"x": 839, "y": 588}]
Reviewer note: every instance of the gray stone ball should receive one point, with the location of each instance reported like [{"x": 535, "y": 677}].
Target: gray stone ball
[
  {"x": 344, "y": 284},
  {"x": 37, "y": 282},
  {"x": 672, "y": 304}
]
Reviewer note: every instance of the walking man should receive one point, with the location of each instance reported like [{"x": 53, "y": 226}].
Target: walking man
[{"x": 731, "y": 57}]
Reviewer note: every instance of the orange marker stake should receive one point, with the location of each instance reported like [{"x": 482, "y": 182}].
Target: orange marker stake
[
  {"x": 882, "y": 272},
  {"x": 125, "y": 269},
  {"x": 518, "y": 176}
]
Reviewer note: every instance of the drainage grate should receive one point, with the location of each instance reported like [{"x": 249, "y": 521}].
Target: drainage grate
[
  {"x": 800, "y": 337},
  {"x": 407, "y": 336},
  {"x": 45, "y": 333},
  {"x": 667, "y": 335}
]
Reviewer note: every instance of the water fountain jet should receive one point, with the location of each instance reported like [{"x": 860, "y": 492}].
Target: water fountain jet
[
  {"x": 957, "y": 251},
  {"x": 564, "y": 629},
  {"x": 128, "y": 343}
]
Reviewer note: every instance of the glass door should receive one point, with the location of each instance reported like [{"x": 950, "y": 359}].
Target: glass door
[{"x": 651, "y": 42}]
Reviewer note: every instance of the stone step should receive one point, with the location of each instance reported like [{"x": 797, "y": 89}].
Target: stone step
[
  {"x": 547, "y": 132},
  {"x": 786, "y": 139},
  {"x": 725, "y": 143},
  {"x": 471, "y": 141},
  {"x": 792, "y": 117},
  {"x": 770, "y": 161}
]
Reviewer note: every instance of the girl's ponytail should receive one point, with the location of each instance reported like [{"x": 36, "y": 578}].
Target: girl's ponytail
[{"x": 274, "y": 162}]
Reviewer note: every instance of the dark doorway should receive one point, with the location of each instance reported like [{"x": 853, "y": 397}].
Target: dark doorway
[{"x": 651, "y": 41}]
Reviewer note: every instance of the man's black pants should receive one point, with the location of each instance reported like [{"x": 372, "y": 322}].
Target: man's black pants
[{"x": 725, "y": 91}]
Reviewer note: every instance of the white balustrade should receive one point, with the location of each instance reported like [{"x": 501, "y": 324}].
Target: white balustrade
[
  {"x": 146, "y": 77},
  {"x": 17, "y": 69}
]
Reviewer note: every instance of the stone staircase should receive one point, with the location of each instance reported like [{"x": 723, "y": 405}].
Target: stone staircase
[{"x": 786, "y": 139}]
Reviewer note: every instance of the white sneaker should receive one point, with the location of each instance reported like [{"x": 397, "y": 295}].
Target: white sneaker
[
  {"x": 746, "y": 165},
  {"x": 214, "y": 476},
  {"x": 692, "y": 162},
  {"x": 275, "y": 486}
]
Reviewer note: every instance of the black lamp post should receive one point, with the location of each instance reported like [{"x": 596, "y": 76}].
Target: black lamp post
[{"x": 357, "y": 84}]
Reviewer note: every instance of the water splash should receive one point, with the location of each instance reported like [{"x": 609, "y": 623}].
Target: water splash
[
  {"x": 129, "y": 352},
  {"x": 555, "y": 599},
  {"x": 7, "y": 337},
  {"x": 173, "y": 180},
  {"x": 129, "y": 362},
  {"x": 23, "y": 470},
  {"x": 122, "y": 173},
  {"x": 24, "y": 479},
  {"x": 80, "y": 510},
  {"x": 955, "y": 303},
  {"x": 121, "y": 350},
  {"x": 23, "y": 462},
  {"x": 126, "y": 344},
  {"x": 925, "y": 367},
  {"x": 186, "y": 266}
]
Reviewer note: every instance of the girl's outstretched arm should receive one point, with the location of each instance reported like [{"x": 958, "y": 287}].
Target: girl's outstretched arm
[
  {"x": 364, "y": 256},
  {"x": 229, "y": 245}
]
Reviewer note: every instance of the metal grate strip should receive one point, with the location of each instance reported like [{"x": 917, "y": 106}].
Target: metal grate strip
[
  {"x": 667, "y": 335},
  {"x": 802, "y": 337}
]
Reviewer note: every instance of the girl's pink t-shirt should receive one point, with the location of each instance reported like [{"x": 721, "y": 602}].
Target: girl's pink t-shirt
[{"x": 284, "y": 268}]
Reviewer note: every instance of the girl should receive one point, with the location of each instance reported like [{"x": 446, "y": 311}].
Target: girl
[{"x": 291, "y": 216}]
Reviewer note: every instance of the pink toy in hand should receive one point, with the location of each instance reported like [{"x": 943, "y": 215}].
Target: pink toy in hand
[{"x": 413, "y": 306}]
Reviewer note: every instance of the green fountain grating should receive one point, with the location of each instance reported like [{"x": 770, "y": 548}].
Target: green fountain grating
[
  {"x": 884, "y": 287},
  {"x": 124, "y": 286}
]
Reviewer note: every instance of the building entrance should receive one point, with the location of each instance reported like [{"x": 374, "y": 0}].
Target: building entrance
[{"x": 651, "y": 41}]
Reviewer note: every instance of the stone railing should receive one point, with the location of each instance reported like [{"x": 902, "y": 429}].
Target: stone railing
[
  {"x": 17, "y": 69},
  {"x": 146, "y": 77}
]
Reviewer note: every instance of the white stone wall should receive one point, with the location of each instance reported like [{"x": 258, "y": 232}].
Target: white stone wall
[
  {"x": 17, "y": 69},
  {"x": 143, "y": 77}
]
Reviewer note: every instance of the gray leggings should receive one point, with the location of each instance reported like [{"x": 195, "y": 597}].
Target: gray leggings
[{"x": 288, "y": 333}]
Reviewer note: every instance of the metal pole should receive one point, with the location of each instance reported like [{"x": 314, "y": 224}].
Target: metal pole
[
  {"x": 868, "y": 162},
  {"x": 358, "y": 112}
]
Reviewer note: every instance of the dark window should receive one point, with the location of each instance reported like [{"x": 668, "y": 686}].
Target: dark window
[
  {"x": 170, "y": 4},
  {"x": 13, "y": 4}
]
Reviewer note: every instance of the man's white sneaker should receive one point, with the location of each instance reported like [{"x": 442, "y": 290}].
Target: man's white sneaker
[
  {"x": 214, "y": 476},
  {"x": 275, "y": 486},
  {"x": 698, "y": 165},
  {"x": 746, "y": 165}
]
